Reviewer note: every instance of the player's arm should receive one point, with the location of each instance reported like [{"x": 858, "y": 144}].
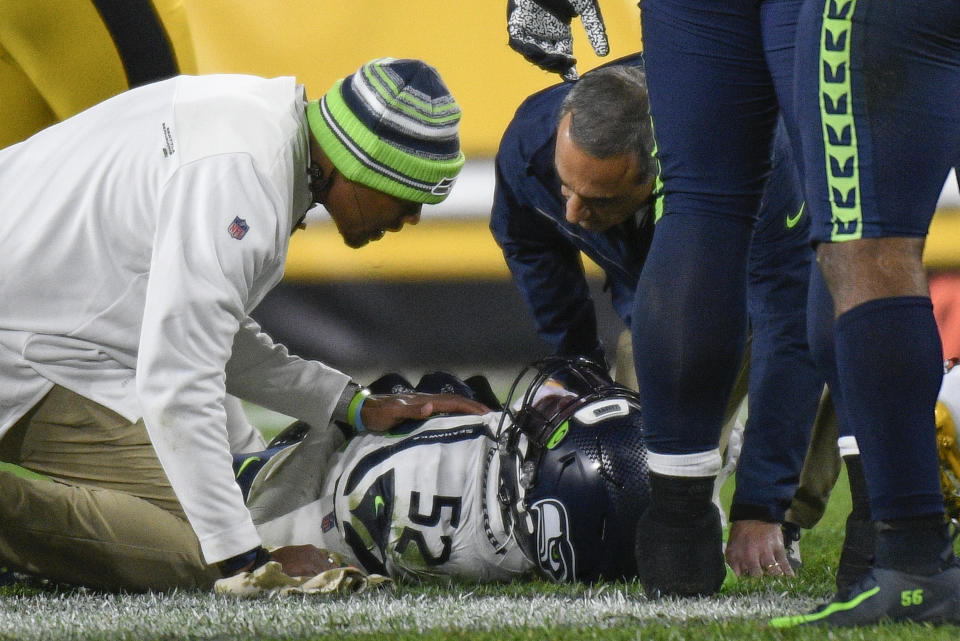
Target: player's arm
[
  {"x": 784, "y": 388},
  {"x": 264, "y": 372},
  {"x": 199, "y": 279}
]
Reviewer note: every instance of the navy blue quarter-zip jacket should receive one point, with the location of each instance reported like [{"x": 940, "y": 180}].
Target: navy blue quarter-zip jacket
[{"x": 543, "y": 252}]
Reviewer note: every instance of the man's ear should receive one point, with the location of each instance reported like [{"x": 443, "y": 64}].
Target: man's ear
[
  {"x": 320, "y": 182},
  {"x": 321, "y": 171}
]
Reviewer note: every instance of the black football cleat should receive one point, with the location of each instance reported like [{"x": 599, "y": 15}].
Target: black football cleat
[
  {"x": 680, "y": 560},
  {"x": 887, "y": 594}
]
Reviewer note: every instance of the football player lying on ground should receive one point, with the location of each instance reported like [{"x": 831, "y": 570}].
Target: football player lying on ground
[
  {"x": 544, "y": 486},
  {"x": 550, "y": 485}
]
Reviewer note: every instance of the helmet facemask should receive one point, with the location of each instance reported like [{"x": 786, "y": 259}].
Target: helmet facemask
[{"x": 573, "y": 476}]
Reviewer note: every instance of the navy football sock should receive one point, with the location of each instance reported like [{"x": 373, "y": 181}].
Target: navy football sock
[
  {"x": 912, "y": 545},
  {"x": 680, "y": 499},
  {"x": 890, "y": 366},
  {"x": 859, "y": 537},
  {"x": 858, "y": 488}
]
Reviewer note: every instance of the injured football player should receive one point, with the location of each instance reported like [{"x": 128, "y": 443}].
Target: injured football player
[{"x": 551, "y": 484}]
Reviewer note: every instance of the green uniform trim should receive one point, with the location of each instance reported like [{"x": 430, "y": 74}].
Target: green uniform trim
[
  {"x": 246, "y": 462},
  {"x": 832, "y": 608},
  {"x": 836, "y": 115}
]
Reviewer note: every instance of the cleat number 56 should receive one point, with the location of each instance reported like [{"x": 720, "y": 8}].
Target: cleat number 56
[{"x": 911, "y": 597}]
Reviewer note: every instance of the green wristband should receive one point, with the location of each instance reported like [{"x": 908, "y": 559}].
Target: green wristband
[{"x": 353, "y": 410}]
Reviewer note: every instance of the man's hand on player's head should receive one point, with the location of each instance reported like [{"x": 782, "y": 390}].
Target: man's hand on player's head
[{"x": 382, "y": 411}]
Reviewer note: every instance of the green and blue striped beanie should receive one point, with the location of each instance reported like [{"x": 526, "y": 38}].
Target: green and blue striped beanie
[{"x": 392, "y": 126}]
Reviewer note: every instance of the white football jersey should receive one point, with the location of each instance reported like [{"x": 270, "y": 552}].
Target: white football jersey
[{"x": 416, "y": 505}]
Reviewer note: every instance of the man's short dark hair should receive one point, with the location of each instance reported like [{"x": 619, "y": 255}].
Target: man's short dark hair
[{"x": 610, "y": 115}]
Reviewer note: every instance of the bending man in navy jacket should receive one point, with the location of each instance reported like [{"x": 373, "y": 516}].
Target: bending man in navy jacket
[{"x": 575, "y": 173}]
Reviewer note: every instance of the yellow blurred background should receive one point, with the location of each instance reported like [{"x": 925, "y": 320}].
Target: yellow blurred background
[
  {"x": 467, "y": 42},
  {"x": 56, "y": 58},
  {"x": 319, "y": 41}
]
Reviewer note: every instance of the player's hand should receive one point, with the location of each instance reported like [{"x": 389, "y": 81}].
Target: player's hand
[
  {"x": 539, "y": 30},
  {"x": 755, "y": 548},
  {"x": 380, "y": 412},
  {"x": 303, "y": 560}
]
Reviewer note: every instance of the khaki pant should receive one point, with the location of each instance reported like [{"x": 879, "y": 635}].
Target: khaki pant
[
  {"x": 108, "y": 518},
  {"x": 821, "y": 467}
]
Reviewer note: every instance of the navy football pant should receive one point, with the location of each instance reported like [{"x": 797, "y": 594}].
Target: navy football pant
[
  {"x": 717, "y": 71},
  {"x": 733, "y": 60}
]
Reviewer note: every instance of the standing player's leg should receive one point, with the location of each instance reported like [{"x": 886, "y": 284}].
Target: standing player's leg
[
  {"x": 877, "y": 88},
  {"x": 690, "y": 318},
  {"x": 856, "y": 556}
]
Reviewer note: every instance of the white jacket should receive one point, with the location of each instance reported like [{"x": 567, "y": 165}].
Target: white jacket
[{"x": 137, "y": 237}]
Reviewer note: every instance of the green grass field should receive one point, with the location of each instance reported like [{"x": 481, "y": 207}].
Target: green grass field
[{"x": 528, "y": 610}]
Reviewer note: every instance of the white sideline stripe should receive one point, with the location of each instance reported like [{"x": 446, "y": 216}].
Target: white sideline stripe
[
  {"x": 472, "y": 195},
  {"x": 79, "y": 615}
]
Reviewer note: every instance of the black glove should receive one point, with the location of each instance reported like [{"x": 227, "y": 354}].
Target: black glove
[{"x": 540, "y": 31}]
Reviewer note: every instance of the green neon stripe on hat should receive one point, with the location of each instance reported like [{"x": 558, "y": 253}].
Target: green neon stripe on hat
[
  {"x": 839, "y": 128},
  {"x": 390, "y": 94},
  {"x": 372, "y": 162},
  {"x": 426, "y": 108},
  {"x": 429, "y": 170},
  {"x": 833, "y": 608}
]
